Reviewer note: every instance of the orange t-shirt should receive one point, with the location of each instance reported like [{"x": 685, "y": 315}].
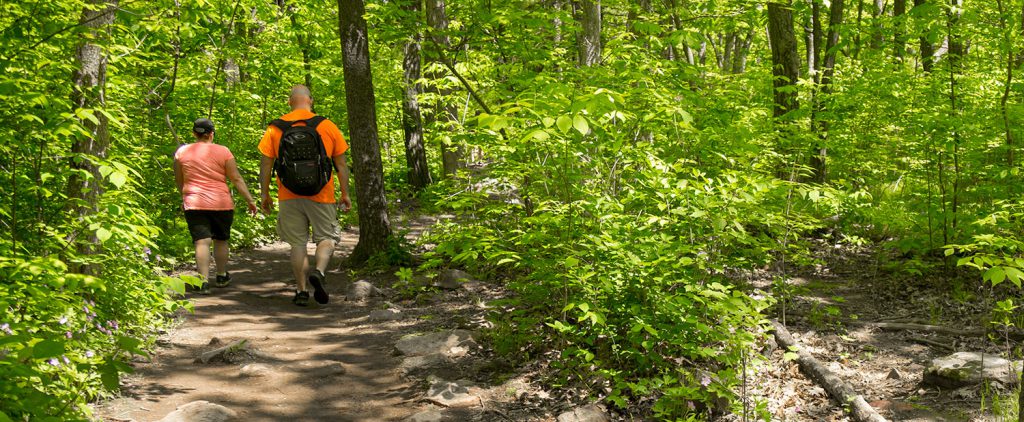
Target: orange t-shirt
[
  {"x": 334, "y": 144},
  {"x": 203, "y": 166}
]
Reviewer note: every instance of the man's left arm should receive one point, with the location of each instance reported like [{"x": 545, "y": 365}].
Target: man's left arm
[{"x": 339, "y": 164}]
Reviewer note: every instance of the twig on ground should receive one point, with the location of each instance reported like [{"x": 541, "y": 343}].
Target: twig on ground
[{"x": 922, "y": 340}]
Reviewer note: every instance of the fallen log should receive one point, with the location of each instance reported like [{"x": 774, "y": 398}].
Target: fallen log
[
  {"x": 928, "y": 328},
  {"x": 938, "y": 329},
  {"x": 840, "y": 390}
]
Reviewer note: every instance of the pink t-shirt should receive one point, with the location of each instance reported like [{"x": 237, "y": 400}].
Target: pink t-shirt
[{"x": 204, "y": 168}]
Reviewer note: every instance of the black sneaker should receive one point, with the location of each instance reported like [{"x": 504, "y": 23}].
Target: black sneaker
[
  {"x": 222, "y": 280},
  {"x": 316, "y": 279},
  {"x": 301, "y": 299},
  {"x": 204, "y": 289}
]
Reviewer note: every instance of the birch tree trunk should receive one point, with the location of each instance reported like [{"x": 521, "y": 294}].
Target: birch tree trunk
[
  {"x": 88, "y": 92},
  {"x": 590, "y": 35},
  {"x": 447, "y": 114}
]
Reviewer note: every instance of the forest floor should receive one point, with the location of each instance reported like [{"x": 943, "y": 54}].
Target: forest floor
[
  {"x": 334, "y": 362},
  {"x": 886, "y": 367},
  {"x": 321, "y": 363}
]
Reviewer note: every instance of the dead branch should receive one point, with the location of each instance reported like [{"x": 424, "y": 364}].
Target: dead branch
[{"x": 840, "y": 390}]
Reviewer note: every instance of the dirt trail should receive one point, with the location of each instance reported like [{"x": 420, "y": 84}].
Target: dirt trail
[{"x": 257, "y": 307}]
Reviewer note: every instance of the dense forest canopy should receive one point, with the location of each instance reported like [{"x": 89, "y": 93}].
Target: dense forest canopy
[{"x": 615, "y": 163}]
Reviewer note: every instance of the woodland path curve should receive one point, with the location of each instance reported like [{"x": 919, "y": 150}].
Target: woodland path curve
[{"x": 257, "y": 307}]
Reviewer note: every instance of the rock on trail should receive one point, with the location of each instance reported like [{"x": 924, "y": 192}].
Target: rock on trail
[
  {"x": 461, "y": 393},
  {"x": 200, "y": 411},
  {"x": 362, "y": 290},
  {"x": 451, "y": 343},
  {"x": 588, "y": 413},
  {"x": 970, "y": 368}
]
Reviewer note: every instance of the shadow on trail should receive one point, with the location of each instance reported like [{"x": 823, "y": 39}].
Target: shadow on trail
[{"x": 293, "y": 342}]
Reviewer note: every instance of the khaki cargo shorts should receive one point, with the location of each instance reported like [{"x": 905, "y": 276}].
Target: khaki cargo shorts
[{"x": 296, "y": 216}]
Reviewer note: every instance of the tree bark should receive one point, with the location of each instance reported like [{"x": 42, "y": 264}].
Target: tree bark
[
  {"x": 1010, "y": 64},
  {"x": 437, "y": 18},
  {"x": 412, "y": 124},
  {"x": 374, "y": 225},
  {"x": 303, "y": 42},
  {"x": 812, "y": 36},
  {"x": 899, "y": 9},
  {"x": 956, "y": 53},
  {"x": 739, "y": 56},
  {"x": 877, "y": 30},
  {"x": 785, "y": 59},
  {"x": 927, "y": 49},
  {"x": 88, "y": 92},
  {"x": 856, "y": 38},
  {"x": 820, "y": 153},
  {"x": 590, "y": 35}
]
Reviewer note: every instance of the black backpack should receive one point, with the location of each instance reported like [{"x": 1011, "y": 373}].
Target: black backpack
[{"x": 302, "y": 162}]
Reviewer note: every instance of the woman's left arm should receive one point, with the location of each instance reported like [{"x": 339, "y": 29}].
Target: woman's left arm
[{"x": 231, "y": 168}]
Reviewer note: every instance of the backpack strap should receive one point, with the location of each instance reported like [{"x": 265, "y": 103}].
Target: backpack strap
[
  {"x": 281, "y": 124},
  {"x": 311, "y": 122},
  {"x": 315, "y": 121}
]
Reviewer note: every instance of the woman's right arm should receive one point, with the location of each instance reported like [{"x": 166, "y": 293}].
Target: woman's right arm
[{"x": 179, "y": 177}]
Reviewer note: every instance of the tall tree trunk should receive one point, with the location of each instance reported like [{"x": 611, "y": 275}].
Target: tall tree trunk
[
  {"x": 927, "y": 49},
  {"x": 956, "y": 53},
  {"x": 856, "y": 38},
  {"x": 556, "y": 5},
  {"x": 739, "y": 57},
  {"x": 820, "y": 153},
  {"x": 303, "y": 41},
  {"x": 877, "y": 30},
  {"x": 899, "y": 9},
  {"x": 412, "y": 124},
  {"x": 88, "y": 92},
  {"x": 590, "y": 34},
  {"x": 1010, "y": 64},
  {"x": 374, "y": 225},
  {"x": 437, "y": 18},
  {"x": 785, "y": 58},
  {"x": 812, "y": 38}
]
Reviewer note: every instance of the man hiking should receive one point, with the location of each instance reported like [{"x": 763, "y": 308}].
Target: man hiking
[
  {"x": 200, "y": 171},
  {"x": 303, "y": 149}
]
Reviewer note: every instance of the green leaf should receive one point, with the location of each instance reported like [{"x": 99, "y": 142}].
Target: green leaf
[
  {"x": 580, "y": 124},
  {"x": 130, "y": 344},
  {"x": 118, "y": 179},
  {"x": 571, "y": 262},
  {"x": 103, "y": 234},
  {"x": 563, "y": 123},
  {"x": 47, "y": 349},
  {"x": 547, "y": 121},
  {"x": 110, "y": 377},
  {"x": 87, "y": 114},
  {"x": 1014, "y": 275},
  {"x": 996, "y": 275}
]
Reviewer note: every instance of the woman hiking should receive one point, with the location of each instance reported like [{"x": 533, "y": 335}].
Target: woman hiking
[{"x": 200, "y": 171}]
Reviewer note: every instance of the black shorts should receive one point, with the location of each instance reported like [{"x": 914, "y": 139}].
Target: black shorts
[{"x": 204, "y": 224}]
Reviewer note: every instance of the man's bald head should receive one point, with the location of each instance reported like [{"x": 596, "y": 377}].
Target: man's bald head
[{"x": 300, "y": 98}]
